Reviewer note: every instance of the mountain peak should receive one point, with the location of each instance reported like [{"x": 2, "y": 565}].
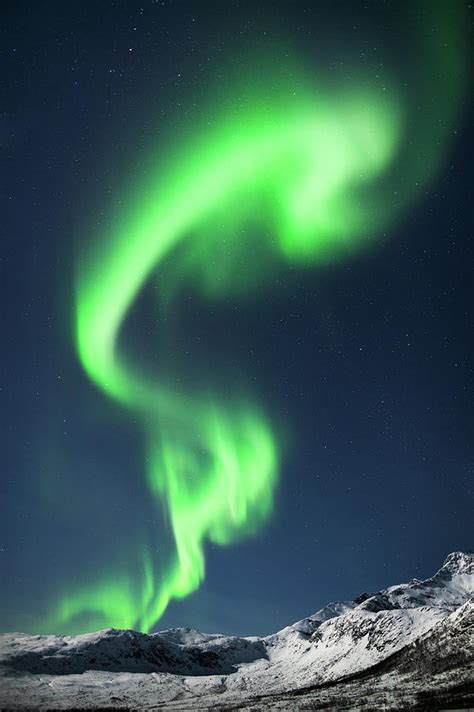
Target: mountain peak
[{"x": 459, "y": 562}]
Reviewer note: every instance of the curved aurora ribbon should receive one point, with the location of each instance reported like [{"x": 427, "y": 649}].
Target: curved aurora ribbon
[
  {"x": 303, "y": 173},
  {"x": 215, "y": 465}
]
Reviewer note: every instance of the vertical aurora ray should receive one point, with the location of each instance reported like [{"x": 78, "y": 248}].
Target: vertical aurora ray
[{"x": 309, "y": 165}]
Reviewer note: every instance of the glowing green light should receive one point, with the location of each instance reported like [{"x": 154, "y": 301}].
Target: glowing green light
[
  {"x": 305, "y": 167},
  {"x": 215, "y": 466}
]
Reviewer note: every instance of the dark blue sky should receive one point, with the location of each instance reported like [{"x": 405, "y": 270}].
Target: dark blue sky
[{"x": 369, "y": 360}]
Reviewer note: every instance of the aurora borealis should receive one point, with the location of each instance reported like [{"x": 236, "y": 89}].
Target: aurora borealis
[
  {"x": 215, "y": 467},
  {"x": 295, "y": 174}
]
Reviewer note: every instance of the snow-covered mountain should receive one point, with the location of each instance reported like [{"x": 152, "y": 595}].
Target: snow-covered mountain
[{"x": 392, "y": 646}]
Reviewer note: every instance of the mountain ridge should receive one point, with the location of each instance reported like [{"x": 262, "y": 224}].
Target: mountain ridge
[{"x": 341, "y": 643}]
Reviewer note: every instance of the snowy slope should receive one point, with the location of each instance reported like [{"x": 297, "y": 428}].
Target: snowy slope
[{"x": 183, "y": 669}]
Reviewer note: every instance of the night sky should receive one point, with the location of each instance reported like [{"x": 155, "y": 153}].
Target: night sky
[{"x": 361, "y": 363}]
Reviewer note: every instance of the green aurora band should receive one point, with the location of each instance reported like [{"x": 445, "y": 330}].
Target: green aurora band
[{"x": 313, "y": 172}]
